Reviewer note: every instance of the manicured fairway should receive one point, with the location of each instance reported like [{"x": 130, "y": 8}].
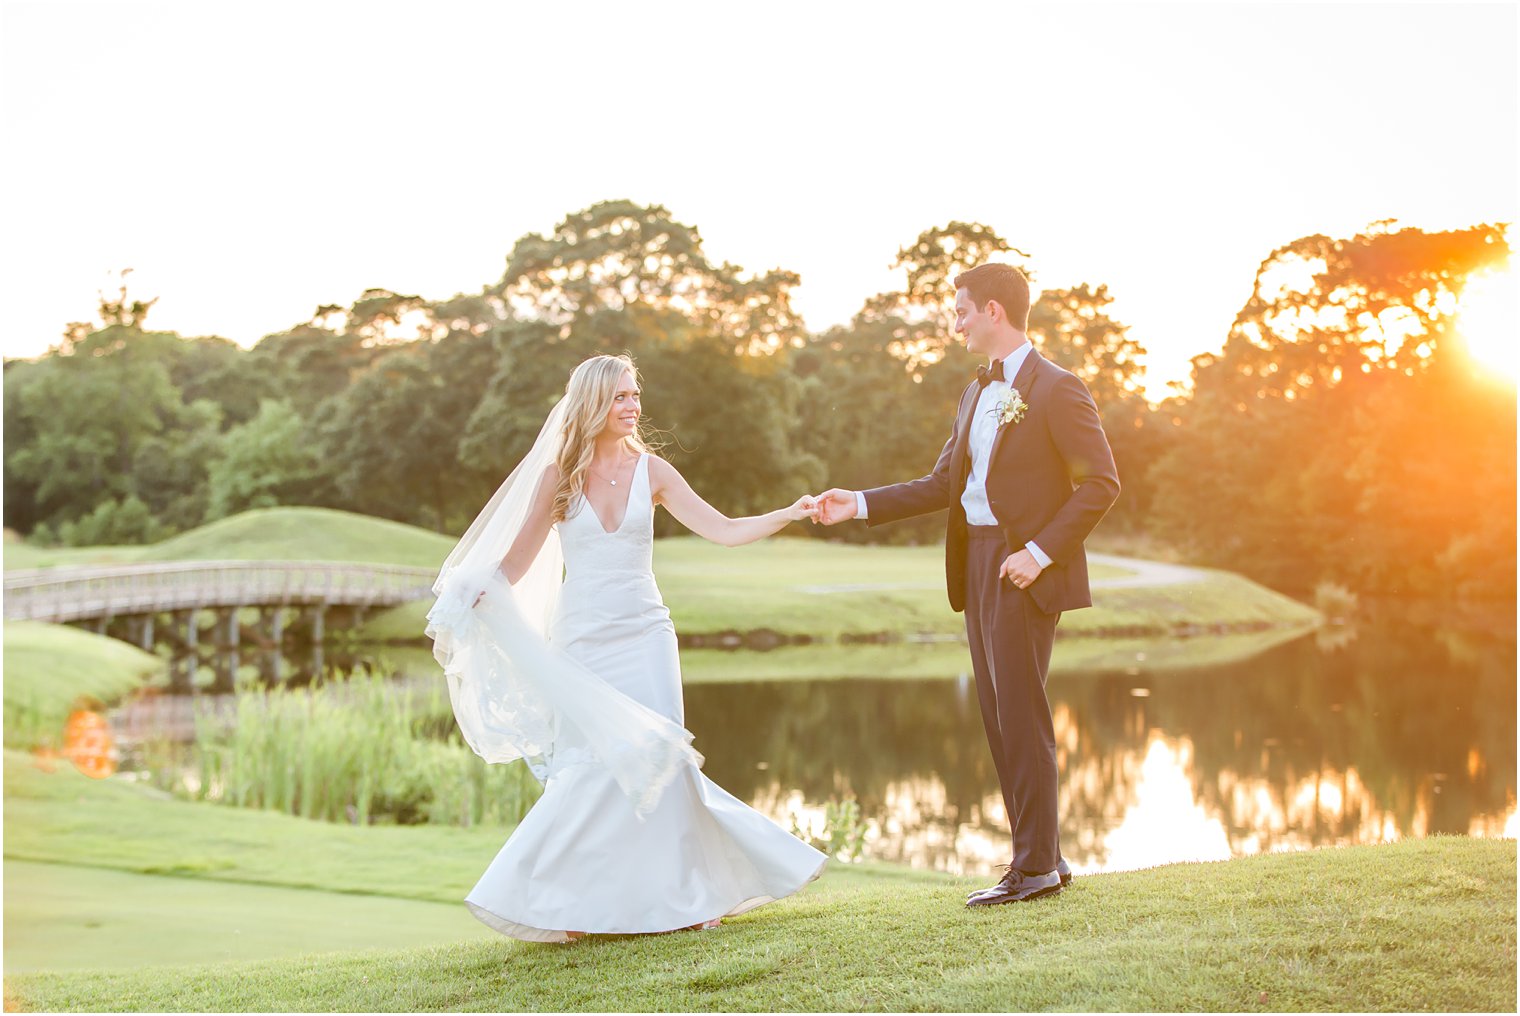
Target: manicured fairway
[
  {"x": 1422, "y": 925},
  {"x": 60, "y": 916}
]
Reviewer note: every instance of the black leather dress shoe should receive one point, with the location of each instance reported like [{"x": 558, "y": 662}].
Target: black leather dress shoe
[
  {"x": 1062, "y": 868},
  {"x": 1017, "y": 887}
]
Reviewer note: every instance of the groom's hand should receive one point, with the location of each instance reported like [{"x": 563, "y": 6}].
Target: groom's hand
[
  {"x": 1020, "y": 568},
  {"x": 836, "y": 505}
]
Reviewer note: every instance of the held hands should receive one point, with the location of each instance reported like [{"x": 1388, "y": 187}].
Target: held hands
[
  {"x": 805, "y": 507},
  {"x": 1020, "y": 568},
  {"x": 836, "y": 505}
]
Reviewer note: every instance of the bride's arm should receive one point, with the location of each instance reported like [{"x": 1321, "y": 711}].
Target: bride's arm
[
  {"x": 670, "y": 488},
  {"x": 535, "y": 527}
]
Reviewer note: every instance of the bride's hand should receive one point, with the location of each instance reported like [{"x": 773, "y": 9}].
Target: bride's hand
[
  {"x": 497, "y": 574},
  {"x": 805, "y": 507}
]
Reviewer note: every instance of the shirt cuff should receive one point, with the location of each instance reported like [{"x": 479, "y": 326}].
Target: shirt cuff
[
  {"x": 1037, "y": 554},
  {"x": 860, "y": 505}
]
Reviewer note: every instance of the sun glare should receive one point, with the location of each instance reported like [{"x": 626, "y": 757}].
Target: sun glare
[{"x": 1489, "y": 324}]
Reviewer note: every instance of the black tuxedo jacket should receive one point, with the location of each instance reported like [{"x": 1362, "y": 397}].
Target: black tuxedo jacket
[{"x": 1050, "y": 478}]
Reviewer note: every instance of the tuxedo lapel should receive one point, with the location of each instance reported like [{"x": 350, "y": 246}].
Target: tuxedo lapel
[
  {"x": 960, "y": 461},
  {"x": 1026, "y": 371},
  {"x": 1022, "y": 384}
]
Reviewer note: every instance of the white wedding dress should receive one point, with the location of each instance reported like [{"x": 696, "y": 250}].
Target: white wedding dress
[{"x": 582, "y": 860}]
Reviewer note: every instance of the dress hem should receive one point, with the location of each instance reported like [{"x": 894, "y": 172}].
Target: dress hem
[{"x": 529, "y": 933}]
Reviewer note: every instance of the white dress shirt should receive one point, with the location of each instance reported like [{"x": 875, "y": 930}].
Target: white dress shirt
[{"x": 984, "y": 430}]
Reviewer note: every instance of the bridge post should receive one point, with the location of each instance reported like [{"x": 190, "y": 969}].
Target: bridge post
[
  {"x": 318, "y": 632},
  {"x": 226, "y": 673},
  {"x": 192, "y": 649},
  {"x": 146, "y": 640},
  {"x": 269, "y": 665},
  {"x": 233, "y": 628}
]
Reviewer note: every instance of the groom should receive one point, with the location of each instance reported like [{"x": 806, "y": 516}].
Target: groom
[{"x": 1027, "y": 474}]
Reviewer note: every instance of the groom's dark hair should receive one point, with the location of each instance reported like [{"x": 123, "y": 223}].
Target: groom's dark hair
[{"x": 1003, "y": 283}]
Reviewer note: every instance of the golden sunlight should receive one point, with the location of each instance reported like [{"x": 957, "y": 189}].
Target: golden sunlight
[{"x": 1488, "y": 323}]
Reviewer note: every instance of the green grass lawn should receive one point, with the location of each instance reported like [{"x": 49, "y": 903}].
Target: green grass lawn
[
  {"x": 49, "y": 666},
  {"x": 160, "y": 864},
  {"x": 1420, "y": 925},
  {"x": 20, "y": 555},
  {"x": 951, "y": 659},
  {"x": 305, "y": 534},
  {"x": 71, "y": 918},
  {"x": 788, "y": 584},
  {"x": 285, "y": 534},
  {"x": 64, "y": 817},
  {"x": 824, "y": 590},
  {"x": 1423, "y": 924}
]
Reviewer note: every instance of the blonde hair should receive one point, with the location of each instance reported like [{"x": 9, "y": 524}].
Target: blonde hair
[{"x": 589, "y": 394}]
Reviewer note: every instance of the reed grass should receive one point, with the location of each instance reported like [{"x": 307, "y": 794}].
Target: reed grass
[{"x": 350, "y": 750}]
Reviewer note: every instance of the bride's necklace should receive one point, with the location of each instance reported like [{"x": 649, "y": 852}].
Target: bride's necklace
[{"x": 599, "y": 476}]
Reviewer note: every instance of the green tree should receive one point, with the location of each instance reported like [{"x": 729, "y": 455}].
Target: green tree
[
  {"x": 712, "y": 343},
  {"x": 169, "y": 469},
  {"x": 736, "y": 433},
  {"x": 392, "y": 439},
  {"x": 269, "y": 460},
  {"x": 117, "y": 521},
  {"x": 110, "y": 433},
  {"x": 532, "y": 361},
  {"x": 621, "y": 256},
  {"x": 870, "y": 421},
  {"x": 87, "y": 416},
  {"x": 21, "y": 510},
  {"x": 1339, "y": 434},
  {"x": 924, "y": 310},
  {"x": 1073, "y": 328}
]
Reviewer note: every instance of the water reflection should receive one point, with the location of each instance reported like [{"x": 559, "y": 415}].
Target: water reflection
[
  {"x": 1390, "y": 737},
  {"x": 1397, "y": 733}
]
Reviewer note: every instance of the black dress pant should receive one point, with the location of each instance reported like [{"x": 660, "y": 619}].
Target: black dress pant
[{"x": 1011, "y": 640}]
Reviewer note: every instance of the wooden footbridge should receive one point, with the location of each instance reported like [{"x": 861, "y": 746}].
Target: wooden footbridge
[{"x": 169, "y": 603}]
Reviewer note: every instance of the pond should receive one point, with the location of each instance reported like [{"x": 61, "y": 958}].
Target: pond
[{"x": 1393, "y": 734}]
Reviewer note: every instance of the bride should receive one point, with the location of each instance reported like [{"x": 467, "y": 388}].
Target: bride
[{"x": 559, "y": 650}]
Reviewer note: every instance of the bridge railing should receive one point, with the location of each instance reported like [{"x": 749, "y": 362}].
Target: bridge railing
[{"x": 69, "y": 594}]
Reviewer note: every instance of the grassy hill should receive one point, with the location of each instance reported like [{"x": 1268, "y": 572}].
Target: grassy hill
[
  {"x": 788, "y": 584},
  {"x": 48, "y": 666},
  {"x": 287, "y": 534},
  {"x": 825, "y": 590}
]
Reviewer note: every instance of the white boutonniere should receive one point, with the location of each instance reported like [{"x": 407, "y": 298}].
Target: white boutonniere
[{"x": 1011, "y": 409}]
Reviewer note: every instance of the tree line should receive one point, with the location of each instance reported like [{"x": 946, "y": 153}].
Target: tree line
[{"x": 1342, "y": 433}]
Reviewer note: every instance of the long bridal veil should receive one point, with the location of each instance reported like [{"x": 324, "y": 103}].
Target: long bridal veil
[{"x": 516, "y": 696}]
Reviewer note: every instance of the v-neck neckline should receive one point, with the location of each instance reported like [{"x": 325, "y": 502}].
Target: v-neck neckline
[{"x": 627, "y": 503}]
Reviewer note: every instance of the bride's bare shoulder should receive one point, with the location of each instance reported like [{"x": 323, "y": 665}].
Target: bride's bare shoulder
[
  {"x": 659, "y": 468},
  {"x": 661, "y": 475}
]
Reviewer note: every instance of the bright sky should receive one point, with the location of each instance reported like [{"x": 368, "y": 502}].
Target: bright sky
[{"x": 253, "y": 160}]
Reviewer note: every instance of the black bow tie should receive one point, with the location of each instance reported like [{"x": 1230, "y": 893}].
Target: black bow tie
[{"x": 984, "y": 376}]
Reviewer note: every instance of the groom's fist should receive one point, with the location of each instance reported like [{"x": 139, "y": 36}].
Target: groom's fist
[
  {"x": 836, "y": 505},
  {"x": 1020, "y": 568}
]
